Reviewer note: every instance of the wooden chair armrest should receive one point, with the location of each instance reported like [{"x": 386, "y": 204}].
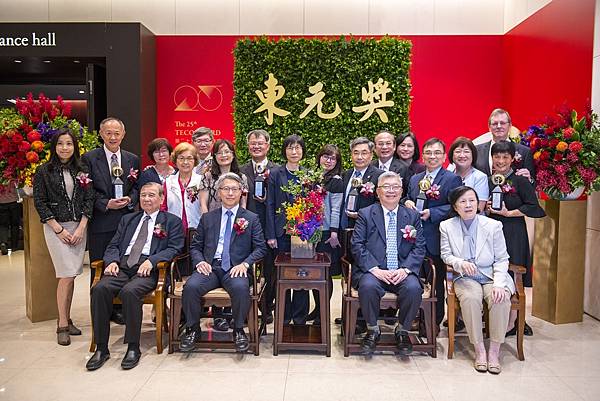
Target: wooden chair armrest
[
  {"x": 98, "y": 266},
  {"x": 347, "y": 275},
  {"x": 518, "y": 273},
  {"x": 255, "y": 278},
  {"x": 163, "y": 268},
  {"x": 174, "y": 273}
]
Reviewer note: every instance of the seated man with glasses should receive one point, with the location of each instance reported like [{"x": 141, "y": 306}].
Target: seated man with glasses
[
  {"x": 203, "y": 139},
  {"x": 499, "y": 124},
  {"x": 388, "y": 247},
  {"x": 222, "y": 258}
]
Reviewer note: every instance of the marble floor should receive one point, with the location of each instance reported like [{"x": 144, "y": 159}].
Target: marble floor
[{"x": 562, "y": 363}]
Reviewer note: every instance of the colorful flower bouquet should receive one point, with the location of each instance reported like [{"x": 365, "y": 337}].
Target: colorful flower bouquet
[
  {"x": 566, "y": 153},
  {"x": 304, "y": 216},
  {"x": 25, "y": 135}
]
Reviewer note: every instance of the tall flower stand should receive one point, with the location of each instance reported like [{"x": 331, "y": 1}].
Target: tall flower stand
[
  {"x": 40, "y": 278},
  {"x": 559, "y": 262}
]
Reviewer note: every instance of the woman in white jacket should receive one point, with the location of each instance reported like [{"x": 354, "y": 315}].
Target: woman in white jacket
[{"x": 474, "y": 246}]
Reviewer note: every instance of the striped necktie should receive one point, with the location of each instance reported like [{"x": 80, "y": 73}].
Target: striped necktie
[{"x": 391, "y": 243}]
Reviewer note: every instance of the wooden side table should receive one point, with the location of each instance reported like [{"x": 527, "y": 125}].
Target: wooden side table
[{"x": 302, "y": 274}]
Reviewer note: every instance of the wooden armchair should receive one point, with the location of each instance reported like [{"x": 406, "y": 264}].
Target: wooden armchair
[
  {"x": 156, "y": 298},
  {"x": 351, "y": 305},
  {"x": 181, "y": 270},
  {"x": 517, "y": 302}
]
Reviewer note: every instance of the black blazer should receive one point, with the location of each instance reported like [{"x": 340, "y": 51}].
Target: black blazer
[
  {"x": 258, "y": 207},
  {"x": 275, "y": 198},
  {"x": 106, "y": 220},
  {"x": 161, "y": 249},
  {"x": 50, "y": 195},
  {"x": 248, "y": 246},
  {"x": 483, "y": 154},
  {"x": 371, "y": 175}
]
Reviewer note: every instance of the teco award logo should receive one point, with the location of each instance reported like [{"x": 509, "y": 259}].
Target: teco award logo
[{"x": 194, "y": 98}]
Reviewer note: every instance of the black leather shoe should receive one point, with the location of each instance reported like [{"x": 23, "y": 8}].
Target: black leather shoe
[
  {"x": 4, "y": 248},
  {"x": 220, "y": 324},
  {"x": 188, "y": 339},
  {"x": 131, "y": 359},
  {"x": 403, "y": 342},
  {"x": 240, "y": 339},
  {"x": 117, "y": 317},
  {"x": 312, "y": 315},
  {"x": 369, "y": 341},
  {"x": 528, "y": 331},
  {"x": 337, "y": 320},
  {"x": 391, "y": 314},
  {"x": 361, "y": 328},
  {"x": 268, "y": 318},
  {"x": 97, "y": 360}
]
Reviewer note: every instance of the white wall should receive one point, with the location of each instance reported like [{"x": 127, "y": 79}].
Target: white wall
[{"x": 286, "y": 17}]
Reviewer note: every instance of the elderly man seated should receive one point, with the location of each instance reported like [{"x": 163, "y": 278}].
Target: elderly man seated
[
  {"x": 398, "y": 230},
  {"x": 143, "y": 239},
  {"x": 228, "y": 241}
]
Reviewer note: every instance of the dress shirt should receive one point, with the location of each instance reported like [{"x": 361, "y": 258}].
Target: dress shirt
[
  {"x": 109, "y": 157},
  {"x": 385, "y": 166},
  {"x": 151, "y": 223},
  {"x": 263, "y": 164},
  {"x": 349, "y": 186},
  {"x": 222, "y": 230},
  {"x": 433, "y": 173}
]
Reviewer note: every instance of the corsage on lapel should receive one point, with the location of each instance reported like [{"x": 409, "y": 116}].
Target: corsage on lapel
[
  {"x": 409, "y": 233},
  {"x": 367, "y": 189},
  {"x": 508, "y": 188},
  {"x": 192, "y": 193},
  {"x": 433, "y": 192},
  {"x": 84, "y": 180},
  {"x": 133, "y": 175},
  {"x": 159, "y": 231},
  {"x": 517, "y": 161},
  {"x": 240, "y": 225}
]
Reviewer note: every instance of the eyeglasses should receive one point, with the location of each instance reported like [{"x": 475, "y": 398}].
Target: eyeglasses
[
  {"x": 230, "y": 189},
  {"x": 203, "y": 141},
  {"x": 256, "y": 144},
  {"x": 190, "y": 159},
  {"x": 391, "y": 188},
  {"x": 224, "y": 153},
  {"x": 437, "y": 153},
  {"x": 296, "y": 148},
  {"x": 329, "y": 158},
  {"x": 498, "y": 123},
  {"x": 162, "y": 150}
]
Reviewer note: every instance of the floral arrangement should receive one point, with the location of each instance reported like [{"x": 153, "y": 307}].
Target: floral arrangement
[
  {"x": 304, "y": 216},
  {"x": 240, "y": 225},
  {"x": 25, "y": 134},
  {"x": 566, "y": 152}
]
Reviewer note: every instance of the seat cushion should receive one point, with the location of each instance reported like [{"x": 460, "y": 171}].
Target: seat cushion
[
  {"x": 390, "y": 296},
  {"x": 216, "y": 293}
]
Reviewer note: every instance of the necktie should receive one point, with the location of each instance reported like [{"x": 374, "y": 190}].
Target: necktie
[
  {"x": 225, "y": 260},
  {"x": 382, "y": 167},
  {"x": 391, "y": 243},
  {"x": 138, "y": 245}
]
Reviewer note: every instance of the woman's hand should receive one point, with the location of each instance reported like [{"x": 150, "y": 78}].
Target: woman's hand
[
  {"x": 77, "y": 236},
  {"x": 468, "y": 268},
  {"x": 502, "y": 212},
  {"x": 333, "y": 240},
  {"x": 499, "y": 295}
]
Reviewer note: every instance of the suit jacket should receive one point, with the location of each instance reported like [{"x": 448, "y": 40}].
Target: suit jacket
[
  {"x": 483, "y": 161},
  {"x": 395, "y": 166},
  {"x": 106, "y": 220},
  {"x": 260, "y": 208},
  {"x": 371, "y": 175},
  {"x": 490, "y": 248},
  {"x": 275, "y": 221},
  {"x": 369, "y": 241},
  {"x": 161, "y": 249},
  {"x": 248, "y": 246},
  {"x": 438, "y": 208}
]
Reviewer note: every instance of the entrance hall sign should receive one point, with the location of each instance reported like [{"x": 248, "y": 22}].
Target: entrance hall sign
[
  {"x": 328, "y": 90},
  {"x": 33, "y": 40}
]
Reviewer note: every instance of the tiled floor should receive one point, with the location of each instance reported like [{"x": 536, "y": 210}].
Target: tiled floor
[{"x": 562, "y": 363}]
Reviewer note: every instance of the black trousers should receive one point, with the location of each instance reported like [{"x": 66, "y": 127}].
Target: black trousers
[
  {"x": 10, "y": 220},
  {"x": 296, "y": 301},
  {"x": 97, "y": 244},
  {"x": 131, "y": 289},
  {"x": 371, "y": 290},
  {"x": 199, "y": 284},
  {"x": 270, "y": 275}
]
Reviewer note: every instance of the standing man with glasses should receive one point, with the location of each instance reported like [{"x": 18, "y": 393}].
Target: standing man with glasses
[
  {"x": 386, "y": 261},
  {"x": 436, "y": 183},
  {"x": 222, "y": 258},
  {"x": 385, "y": 148},
  {"x": 106, "y": 165},
  {"x": 259, "y": 143},
  {"x": 203, "y": 139},
  {"x": 499, "y": 124}
]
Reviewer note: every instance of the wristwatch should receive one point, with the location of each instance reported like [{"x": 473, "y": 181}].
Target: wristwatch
[
  {"x": 246, "y": 265},
  {"x": 407, "y": 270}
]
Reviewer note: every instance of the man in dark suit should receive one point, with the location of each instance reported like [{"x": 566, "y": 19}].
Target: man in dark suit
[
  {"x": 361, "y": 151},
  {"x": 142, "y": 240},
  {"x": 388, "y": 247},
  {"x": 499, "y": 124},
  {"x": 222, "y": 258},
  {"x": 436, "y": 209},
  {"x": 259, "y": 143},
  {"x": 385, "y": 149}
]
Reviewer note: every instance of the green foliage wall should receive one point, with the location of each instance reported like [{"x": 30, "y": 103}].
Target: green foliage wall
[{"x": 343, "y": 65}]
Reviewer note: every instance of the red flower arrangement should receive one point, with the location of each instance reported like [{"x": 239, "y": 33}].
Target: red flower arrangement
[
  {"x": 433, "y": 192},
  {"x": 159, "y": 231},
  {"x": 240, "y": 225},
  {"x": 566, "y": 152},
  {"x": 84, "y": 180}
]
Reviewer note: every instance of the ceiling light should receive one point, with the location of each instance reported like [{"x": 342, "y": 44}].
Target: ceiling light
[
  {"x": 76, "y": 61},
  {"x": 18, "y": 61},
  {"x": 82, "y": 92},
  {"x": 47, "y": 61}
]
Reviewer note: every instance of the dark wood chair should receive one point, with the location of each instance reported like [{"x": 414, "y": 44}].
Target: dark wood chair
[
  {"x": 181, "y": 270},
  {"x": 156, "y": 298},
  {"x": 351, "y": 306},
  {"x": 517, "y": 302}
]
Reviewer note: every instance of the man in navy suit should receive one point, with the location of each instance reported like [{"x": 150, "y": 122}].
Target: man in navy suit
[
  {"x": 222, "y": 258},
  {"x": 388, "y": 247},
  {"x": 500, "y": 124},
  {"x": 442, "y": 182},
  {"x": 142, "y": 240}
]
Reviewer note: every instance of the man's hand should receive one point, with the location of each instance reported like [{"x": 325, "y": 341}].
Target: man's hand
[
  {"x": 397, "y": 276},
  {"x": 119, "y": 203},
  {"x": 524, "y": 172},
  {"x": 410, "y": 204},
  {"x": 145, "y": 269},
  {"x": 272, "y": 243},
  {"x": 239, "y": 271},
  {"x": 381, "y": 274},
  {"x": 468, "y": 268},
  {"x": 499, "y": 295},
  {"x": 425, "y": 214},
  {"x": 352, "y": 215},
  {"x": 204, "y": 268},
  {"x": 333, "y": 240},
  {"x": 112, "y": 269}
]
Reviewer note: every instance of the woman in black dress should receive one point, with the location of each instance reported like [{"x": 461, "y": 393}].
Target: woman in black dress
[{"x": 519, "y": 200}]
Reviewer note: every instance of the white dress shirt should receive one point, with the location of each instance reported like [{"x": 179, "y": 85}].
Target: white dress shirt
[
  {"x": 151, "y": 223},
  {"x": 109, "y": 157},
  {"x": 222, "y": 231}
]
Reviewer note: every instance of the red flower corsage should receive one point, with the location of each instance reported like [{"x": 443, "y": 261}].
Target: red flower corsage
[
  {"x": 508, "y": 188},
  {"x": 84, "y": 180},
  {"x": 192, "y": 193},
  {"x": 367, "y": 189},
  {"x": 433, "y": 192},
  {"x": 159, "y": 231},
  {"x": 409, "y": 233},
  {"x": 240, "y": 225},
  {"x": 133, "y": 175}
]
